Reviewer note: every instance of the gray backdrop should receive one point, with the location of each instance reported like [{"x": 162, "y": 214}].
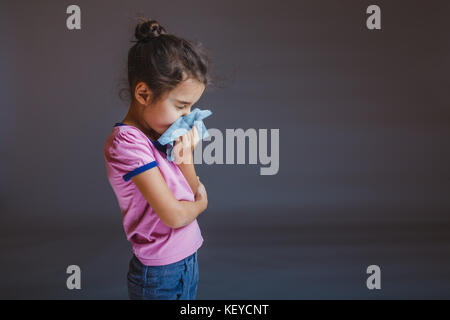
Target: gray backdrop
[{"x": 364, "y": 147}]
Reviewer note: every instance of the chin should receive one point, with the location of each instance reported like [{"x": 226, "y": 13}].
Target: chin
[{"x": 160, "y": 132}]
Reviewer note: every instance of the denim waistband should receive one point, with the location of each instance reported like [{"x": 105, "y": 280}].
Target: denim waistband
[{"x": 181, "y": 262}]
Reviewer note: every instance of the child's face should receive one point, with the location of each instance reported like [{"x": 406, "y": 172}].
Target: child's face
[{"x": 162, "y": 114}]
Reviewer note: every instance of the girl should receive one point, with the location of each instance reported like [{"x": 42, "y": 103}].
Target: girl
[{"x": 159, "y": 200}]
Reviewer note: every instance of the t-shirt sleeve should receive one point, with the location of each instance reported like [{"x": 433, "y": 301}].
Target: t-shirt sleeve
[{"x": 131, "y": 154}]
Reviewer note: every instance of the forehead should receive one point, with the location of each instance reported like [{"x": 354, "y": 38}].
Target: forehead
[{"x": 188, "y": 90}]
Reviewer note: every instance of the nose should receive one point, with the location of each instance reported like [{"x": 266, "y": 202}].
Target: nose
[{"x": 186, "y": 112}]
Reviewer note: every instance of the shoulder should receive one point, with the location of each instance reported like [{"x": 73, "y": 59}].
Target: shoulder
[
  {"x": 128, "y": 134},
  {"x": 126, "y": 139}
]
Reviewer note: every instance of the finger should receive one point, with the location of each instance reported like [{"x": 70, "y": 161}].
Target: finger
[
  {"x": 177, "y": 144},
  {"x": 187, "y": 139},
  {"x": 182, "y": 141},
  {"x": 194, "y": 133}
]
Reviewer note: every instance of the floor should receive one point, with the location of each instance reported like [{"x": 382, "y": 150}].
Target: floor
[{"x": 305, "y": 259}]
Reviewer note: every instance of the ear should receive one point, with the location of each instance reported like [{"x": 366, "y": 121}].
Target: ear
[{"x": 142, "y": 93}]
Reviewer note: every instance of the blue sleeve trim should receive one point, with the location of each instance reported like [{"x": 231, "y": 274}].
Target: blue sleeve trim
[{"x": 136, "y": 171}]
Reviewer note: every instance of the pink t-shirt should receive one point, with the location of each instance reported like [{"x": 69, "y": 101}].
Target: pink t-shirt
[{"x": 128, "y": 152}]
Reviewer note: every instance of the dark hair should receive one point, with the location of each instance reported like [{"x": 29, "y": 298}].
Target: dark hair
[{"x": 163, "y": 60}]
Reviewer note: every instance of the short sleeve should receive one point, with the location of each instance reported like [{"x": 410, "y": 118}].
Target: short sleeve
[{"x": 130, "y": 153}]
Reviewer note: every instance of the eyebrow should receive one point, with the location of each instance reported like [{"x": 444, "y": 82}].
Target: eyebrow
[{"x": 183, "y": 102}]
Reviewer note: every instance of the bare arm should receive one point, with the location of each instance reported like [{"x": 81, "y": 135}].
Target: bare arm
[
  {"x": 172, "y": 212},
  {"x": 184, "y": 157},
  {"x": 189, "y": 173}
]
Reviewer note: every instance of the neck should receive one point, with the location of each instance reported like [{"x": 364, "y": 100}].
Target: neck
[{"x": 133, "y": 120}]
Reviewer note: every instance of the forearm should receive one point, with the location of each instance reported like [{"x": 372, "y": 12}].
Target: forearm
[
  {"x": 189, "y": 211},
  {"x": 189, "y": 173}
]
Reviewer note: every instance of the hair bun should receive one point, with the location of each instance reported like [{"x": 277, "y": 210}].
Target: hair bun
[{"x": 148, "y": 29}]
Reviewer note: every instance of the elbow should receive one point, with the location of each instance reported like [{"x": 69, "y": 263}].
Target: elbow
[
  {"x": 174, "y": 217},
  {"x": 171, "y": 222},
  {"x": 175, "y": 225},
  {"x": 172, "y": 225},
  {"x": 178, "y": 220}
]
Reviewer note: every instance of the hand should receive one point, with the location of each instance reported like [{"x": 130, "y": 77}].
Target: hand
[
  {"x": 201, "y": 194},
  {"x": 184, "y": 146}
]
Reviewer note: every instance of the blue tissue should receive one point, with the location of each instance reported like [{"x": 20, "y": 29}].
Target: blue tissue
[{"x": 181, "y": 127}]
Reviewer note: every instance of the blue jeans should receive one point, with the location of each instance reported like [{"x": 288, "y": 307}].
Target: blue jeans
[{"x": 175, "y": 281}]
